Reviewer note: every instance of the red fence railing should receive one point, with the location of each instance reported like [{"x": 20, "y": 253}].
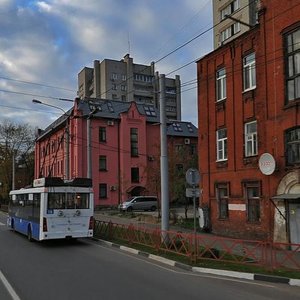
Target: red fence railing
[{"x": 204, "y": 246}]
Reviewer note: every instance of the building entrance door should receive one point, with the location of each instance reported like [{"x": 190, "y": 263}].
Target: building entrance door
[{"x": 294, "y": 216}]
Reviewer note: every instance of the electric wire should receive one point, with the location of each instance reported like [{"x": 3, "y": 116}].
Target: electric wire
[{"x": 187, "y": 64}]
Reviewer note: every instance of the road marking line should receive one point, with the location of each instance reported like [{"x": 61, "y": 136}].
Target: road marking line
[{"x": 9, "y": 288}]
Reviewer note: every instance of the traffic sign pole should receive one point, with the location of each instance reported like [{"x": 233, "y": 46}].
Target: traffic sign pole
[{"x": 193, "y": 177}]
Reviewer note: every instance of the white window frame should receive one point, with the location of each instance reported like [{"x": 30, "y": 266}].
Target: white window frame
[
  {"x": 221, "y": 145},
  {"x": 249, "y": 72},
  {"x": 230, "y": 8},
  {"x": 230, "y": 31},
  {"x": 236, "y": 27},
  {"x": 221, "y": 84},
  {"x": 251, "y": 148},
  {"x": 226, "y": 34}
]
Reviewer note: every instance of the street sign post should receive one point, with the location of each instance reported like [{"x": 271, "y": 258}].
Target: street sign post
[
  {"x": 192, "y": 177},
  {"x": 192, "y": 192}
]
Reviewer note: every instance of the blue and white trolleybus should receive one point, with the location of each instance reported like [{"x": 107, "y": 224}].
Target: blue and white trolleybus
[{"x": 53, "y": 209}]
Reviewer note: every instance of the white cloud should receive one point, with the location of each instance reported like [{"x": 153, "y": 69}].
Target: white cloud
[
  {"x": 50, "y": 41},
  {"x": 43, "y": 6}
]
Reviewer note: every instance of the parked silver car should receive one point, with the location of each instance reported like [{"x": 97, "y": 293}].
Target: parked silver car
[{"x": 140, "y": 203}]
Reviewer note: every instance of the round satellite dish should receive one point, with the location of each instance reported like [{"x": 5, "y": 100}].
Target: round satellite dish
[{"x": 267, "y": 164}]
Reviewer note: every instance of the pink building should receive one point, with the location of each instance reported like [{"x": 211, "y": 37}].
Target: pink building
[{"x": 124, "y": 146}]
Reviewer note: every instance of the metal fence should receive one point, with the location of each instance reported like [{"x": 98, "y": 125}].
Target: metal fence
[{"x": 198, "y": 246}]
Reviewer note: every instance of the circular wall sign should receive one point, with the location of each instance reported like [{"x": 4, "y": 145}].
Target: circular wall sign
[{"x": 267, "y": 164}]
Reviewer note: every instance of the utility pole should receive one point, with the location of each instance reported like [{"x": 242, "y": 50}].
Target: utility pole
[
  {"x": 89, "y": 143},
  {"x": 89, "y": 151},
  {"x": 67, "y": 150},
  {"x": 164, "y": 159},
  {"x": 13, "y": 170}
]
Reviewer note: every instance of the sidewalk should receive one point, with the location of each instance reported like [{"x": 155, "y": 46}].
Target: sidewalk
[
  {"x": 218, "y": 272},
  {"x": 146, "y": 219},
  {"x": 150, "y": 220}
]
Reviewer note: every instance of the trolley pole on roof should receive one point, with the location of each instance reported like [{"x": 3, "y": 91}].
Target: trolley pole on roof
[{"x": 163, "y": 160}]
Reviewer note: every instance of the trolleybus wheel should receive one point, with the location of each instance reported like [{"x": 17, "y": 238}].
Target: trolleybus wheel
[{"x": 29, "y": 235}]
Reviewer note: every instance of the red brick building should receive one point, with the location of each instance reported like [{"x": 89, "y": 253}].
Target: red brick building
[
  {"x": 124, "y": 148},
  {"x": 249, "y": 104}
]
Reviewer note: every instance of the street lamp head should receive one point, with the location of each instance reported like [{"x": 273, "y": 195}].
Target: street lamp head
[
  {"x": 50, "y": 105},
  {"x": 36, "y": 101}
]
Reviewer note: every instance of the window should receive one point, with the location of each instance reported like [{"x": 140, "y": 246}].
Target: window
[
  {"x": 110, "y": 107},
  {"x": 135, "y": 177},
  {"x": 193, "y": 149},
  {"x": 222, "y": 197},
  {"x": 221, "y": 84},
  {"x": 229, "y": 9},
  {"x": 68, "y": 200},
  {"x": 114, "y": 76},
  {"x": 102, "y": 134},
  {"x": 249, "y": 72},
  {"x": 190, "y": 127},
  {"x": 226, "y": 34},
  {"x": 102, "y": 163},
  {"x": 251, "y": 139},
  {"x": 230, "y": 31},
  {"x": 179, "y": 169},
  {"x": 134, "y": 141},
  {"x": 150, "y": 110},
  {"x": 123, "y": 87},
  {"x": 102, "y": 190},
  {"x": 292, "y": 146},
  {"x": 251, "y": 192},
  {"x": 222, "y": 144},
  {"x": 292, "y": 61},
  {"x": 177, "y": 127},
  {"x": 179, "y": 148},
  {"x": 141, "y": 77}
]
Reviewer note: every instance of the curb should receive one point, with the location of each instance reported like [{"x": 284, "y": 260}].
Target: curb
[{"x": 219, "y": 272}]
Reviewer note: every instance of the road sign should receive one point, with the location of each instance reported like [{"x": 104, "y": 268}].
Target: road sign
[
  {"x": 192, "y": 176},
  {"x": 190, "y": 193}
]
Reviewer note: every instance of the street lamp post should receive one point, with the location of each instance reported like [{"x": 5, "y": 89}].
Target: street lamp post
[
  {"x": 89, "y": 142},
  {"x": 67, "y": 158}
]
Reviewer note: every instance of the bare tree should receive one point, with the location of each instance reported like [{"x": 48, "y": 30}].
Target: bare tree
[
  {"x": 180, "y": 160},
  {"x": 16, "y": 142}
]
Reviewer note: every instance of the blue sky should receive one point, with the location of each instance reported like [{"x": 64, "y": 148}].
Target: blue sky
[{"x": 44, "y": 44}]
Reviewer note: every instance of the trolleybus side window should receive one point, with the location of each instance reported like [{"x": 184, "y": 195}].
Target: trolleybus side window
[{"x": 36, "y": 206}]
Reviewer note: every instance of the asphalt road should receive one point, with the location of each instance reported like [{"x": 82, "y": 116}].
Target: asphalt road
[{"x": 86, "y": 270}]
